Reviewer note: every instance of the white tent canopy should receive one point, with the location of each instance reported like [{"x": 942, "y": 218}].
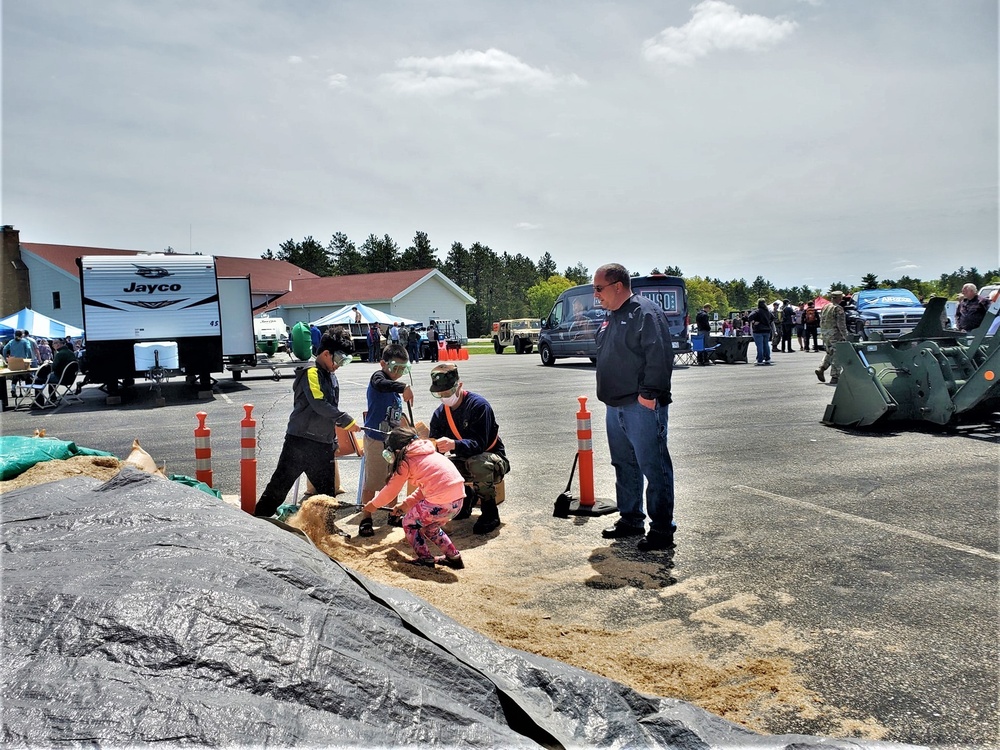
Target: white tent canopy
[
  {"x": 345, "y": 315},
  {"x": 37, "y": 324}
]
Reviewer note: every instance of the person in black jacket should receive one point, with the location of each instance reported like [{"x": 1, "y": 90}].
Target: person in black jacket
[
  {"x": 971, "y": 309},
  {"x": 761, "y": 325},
  {"x": 634, "y": 365},
  {"x": 704, "y": 331},
  {"x": 311, "y": 436},
  {"x": 787, "y": 325},
  {"x": 465, "y": 426}
]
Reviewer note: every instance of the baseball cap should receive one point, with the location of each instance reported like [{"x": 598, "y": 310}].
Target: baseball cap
[{"x": 444, "y": 378}]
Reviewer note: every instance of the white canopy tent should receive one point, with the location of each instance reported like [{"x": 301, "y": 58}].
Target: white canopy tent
[{"x": 345, "y": 315}]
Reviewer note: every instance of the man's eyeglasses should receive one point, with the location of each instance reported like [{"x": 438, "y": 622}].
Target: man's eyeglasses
[
  {"x": 600, "y": 288},
  {"x": 445, "y": 394}
]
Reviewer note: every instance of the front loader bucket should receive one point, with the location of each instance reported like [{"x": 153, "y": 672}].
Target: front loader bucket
[
  {"x": 932, "y": 380},
  {"x": 860, "y": 399}
]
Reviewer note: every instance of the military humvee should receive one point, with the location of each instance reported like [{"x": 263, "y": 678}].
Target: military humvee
[{"x": 522, "y": 333}]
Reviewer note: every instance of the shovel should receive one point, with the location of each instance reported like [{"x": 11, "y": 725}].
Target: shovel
[{"x": 565, "y": 500}]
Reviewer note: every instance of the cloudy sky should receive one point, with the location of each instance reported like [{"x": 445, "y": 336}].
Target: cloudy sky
[{"x": 808, "y": 141}]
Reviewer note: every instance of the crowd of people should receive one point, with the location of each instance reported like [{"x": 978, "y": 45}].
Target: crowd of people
[
  {"x": 377, "y": 336},
  {"x": 47, "y": 360}
]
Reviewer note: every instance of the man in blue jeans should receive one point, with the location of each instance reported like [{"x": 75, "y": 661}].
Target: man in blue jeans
[{"x": 634, "y": 365}]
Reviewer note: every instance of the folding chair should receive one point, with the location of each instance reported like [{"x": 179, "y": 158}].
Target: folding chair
[
  {"x": 685, "y": 358},
  {"x": 698, "y": 347},
  {"x": 61, "y": 391},
  {"x": 20, "y": 384}
]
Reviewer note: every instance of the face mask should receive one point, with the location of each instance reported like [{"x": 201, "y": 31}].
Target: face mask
[{"x": 451, "y": 400}]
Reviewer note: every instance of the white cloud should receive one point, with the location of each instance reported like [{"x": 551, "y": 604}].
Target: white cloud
[
  {"x": 336, "y": 81},
  {"x": 471, "y": 71},
  {"x": 715, "y": 25},
  {"x": 294, "y": 59},
  {"x": 527, "y": 226}
]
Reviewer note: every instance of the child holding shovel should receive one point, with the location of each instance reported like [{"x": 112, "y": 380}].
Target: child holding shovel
[
  {"x": 438, "y": 497},
  {"x": 386, "y": 394}
]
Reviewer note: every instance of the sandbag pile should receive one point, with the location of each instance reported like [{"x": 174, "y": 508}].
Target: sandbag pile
[{"x": 139, "y": 612}]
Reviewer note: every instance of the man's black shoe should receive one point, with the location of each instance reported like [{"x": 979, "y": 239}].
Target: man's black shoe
[
  {"x": 485, "y": 524},
  {"x": 620, "y": 531},
  {"x": 655, "y": 540},
  {"x": 467, "y": 503}
]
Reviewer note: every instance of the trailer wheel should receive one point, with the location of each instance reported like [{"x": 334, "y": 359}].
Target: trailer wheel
[{"x": 237, "y": 374}]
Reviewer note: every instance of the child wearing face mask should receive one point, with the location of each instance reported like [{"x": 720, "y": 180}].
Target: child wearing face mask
[
  {"x": 386, "y": 395},
  {"x": 438, "y": 497}
]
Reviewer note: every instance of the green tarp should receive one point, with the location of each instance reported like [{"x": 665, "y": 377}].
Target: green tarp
[{"x": 18, "y": 454}]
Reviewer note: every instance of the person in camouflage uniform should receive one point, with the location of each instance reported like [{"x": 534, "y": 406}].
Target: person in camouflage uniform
[{"x": 833, "y": 328}]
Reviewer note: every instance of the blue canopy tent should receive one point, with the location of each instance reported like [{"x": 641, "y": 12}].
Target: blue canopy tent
[{"x": 37, "y": 324}]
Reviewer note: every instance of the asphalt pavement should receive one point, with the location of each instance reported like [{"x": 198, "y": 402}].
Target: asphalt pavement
[{"x": 882, "y": 546}]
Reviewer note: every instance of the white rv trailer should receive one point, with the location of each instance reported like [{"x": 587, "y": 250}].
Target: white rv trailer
[{"x": 168, "y": 313}]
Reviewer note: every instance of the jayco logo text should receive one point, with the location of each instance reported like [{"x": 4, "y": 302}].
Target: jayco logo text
[{"x": 152, "y": 288}]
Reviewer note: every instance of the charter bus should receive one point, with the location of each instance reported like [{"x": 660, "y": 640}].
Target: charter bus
[{"x": 570, "y": 329}]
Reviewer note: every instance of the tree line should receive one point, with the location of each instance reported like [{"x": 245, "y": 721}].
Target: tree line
[{"x": 515, "y": 286}]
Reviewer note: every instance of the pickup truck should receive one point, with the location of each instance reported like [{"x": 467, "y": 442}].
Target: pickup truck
[{"x": 888, "y": 313}]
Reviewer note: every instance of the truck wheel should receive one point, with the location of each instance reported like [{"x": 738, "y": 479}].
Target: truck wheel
[
  {"x": 517, "y": 346},
  {"x": 545, "y": 352},
  {"x": 527, "y": 347},
  {"x": 496, "y": 346}
]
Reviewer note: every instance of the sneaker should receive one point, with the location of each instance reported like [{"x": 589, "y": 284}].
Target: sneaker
[
  {"x": 423, "y": 562},
  {"x": 821, "y": 376},
  {"x": 485, "y": 525},
  {"x": 452, "y": 562},
  {"x": 833, "y": 381},
  {"x": 655, "y": 540},
  {"x": 620, "y": 531}
]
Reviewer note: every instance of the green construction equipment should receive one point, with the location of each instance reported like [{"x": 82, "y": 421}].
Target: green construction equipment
[{"x": 931, "y": 374}]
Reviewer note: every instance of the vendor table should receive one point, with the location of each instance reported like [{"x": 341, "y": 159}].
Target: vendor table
[{"x": 730, "y": 349}]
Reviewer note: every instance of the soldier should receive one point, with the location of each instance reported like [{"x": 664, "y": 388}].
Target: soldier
[
  {"x": 465, "y": 426},
  {"x": 833, "y": 327}
]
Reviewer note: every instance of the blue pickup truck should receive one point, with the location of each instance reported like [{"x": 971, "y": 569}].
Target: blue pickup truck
[{"x": 888, "y": 312}]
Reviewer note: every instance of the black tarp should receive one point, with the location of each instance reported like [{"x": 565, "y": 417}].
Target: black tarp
[{"x": 141, "y": 611}]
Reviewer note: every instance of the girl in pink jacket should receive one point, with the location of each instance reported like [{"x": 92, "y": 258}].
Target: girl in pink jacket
[{"x": 438, "y": 497}]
